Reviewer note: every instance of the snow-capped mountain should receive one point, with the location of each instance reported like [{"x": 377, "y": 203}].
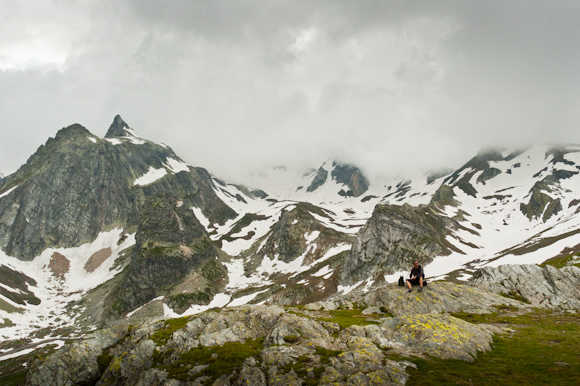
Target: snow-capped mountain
[{"x": 95, "y": 229}]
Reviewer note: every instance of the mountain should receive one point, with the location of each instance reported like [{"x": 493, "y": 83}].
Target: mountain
[
  {"x": 100, "y": 231},
  {"x": 77, "y": 185}
]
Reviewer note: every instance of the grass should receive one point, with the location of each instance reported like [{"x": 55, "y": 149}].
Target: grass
[
  {"x": 347, "y": 318},
  {"x": 162, "y": 336},
  {"x": 561, "y": 261},
  {"x": 222, "y": 360},
  {"x": 543, "y": 349}
]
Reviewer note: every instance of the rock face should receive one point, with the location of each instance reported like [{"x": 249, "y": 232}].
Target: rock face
[
  {"x": 547, "y": 287},
  {"x": 395, "y": 236},
  {"x": 352, "y": 177},
  {"x": 171, "y": 243},
  {"x": 267, "y": 345},
  {"x": 77, "y": 185},
  {"x": 77, "y": 364},
  {"x": 438, "y": 297}
]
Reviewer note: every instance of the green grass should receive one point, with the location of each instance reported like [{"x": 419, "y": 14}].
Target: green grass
[
  {"x": 13, "y": 379},
  {"x": 561, "y": 261},
  {"x": 162, "y": 336},
  {"x": 222, "y": 360},
  {"x": 526, "y": 356},
  {"x": 347, "y": 318}
]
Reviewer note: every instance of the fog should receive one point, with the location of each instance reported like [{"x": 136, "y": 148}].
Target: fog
[{"x": 394, "y": 87}]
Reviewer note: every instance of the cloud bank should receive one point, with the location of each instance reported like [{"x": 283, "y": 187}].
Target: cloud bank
[{"x": 237, "y": 86}]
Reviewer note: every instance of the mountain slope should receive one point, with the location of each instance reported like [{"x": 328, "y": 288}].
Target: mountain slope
[{"x": 77, "y": 185}]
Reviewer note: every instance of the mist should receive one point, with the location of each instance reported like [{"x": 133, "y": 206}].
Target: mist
[{"x": 394, "y": 87}]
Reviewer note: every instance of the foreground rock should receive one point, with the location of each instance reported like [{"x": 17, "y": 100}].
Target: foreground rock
[
  {"x": 547, "y": 287},
  {"x": 438, "y": 297},
  {"x": 270, "y": 345}
]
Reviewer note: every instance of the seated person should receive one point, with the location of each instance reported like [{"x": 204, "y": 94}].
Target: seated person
[{"x": 417, "y": 276}]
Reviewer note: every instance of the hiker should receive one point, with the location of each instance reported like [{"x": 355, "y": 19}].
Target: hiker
[{"x": 417, "y": 277}]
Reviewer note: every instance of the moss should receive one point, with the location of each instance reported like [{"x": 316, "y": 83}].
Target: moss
[
  {"x": 104, "y": 360},
  {"x": 347, "y": 318},
  {"x": 222, "y": 360},
  {"x": 162, "y": 336},
  {"x": 516, "y": 296},
  {"x": 291, "y": 339},
  {"x": 544, "y": 348}
]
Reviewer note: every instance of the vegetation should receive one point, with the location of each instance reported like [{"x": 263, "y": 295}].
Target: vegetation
[
  {"x": 305, "y": 364},
  {"x": 220, "y": 360},
  {"x": 347, "y": 318},
  {"x": 162, "y": 336},
  {"x": 516, "y": 296},
  {"x": 541, "y": 348},
  {"x": 562, "y": 261}
]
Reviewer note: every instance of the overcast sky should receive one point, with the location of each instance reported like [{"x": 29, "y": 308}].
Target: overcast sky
[{"x": 236, "y": 85}]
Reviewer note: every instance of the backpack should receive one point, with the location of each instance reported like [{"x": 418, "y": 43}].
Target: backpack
[{"x": 401, "y": 282}]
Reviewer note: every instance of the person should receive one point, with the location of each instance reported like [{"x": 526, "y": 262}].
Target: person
[{"x": 417, "y": 276}]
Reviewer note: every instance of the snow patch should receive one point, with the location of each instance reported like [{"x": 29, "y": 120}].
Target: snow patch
[
  {"x": 245, "y": 299},
  {"x": 323, "y": 271},
  {"x": 150, "y": 177},
  {"x": 176, "y": 166},
  {"x": 8, "y": 191},
  {"x": 346, "y": 289},
  {"x": 114, "y": 141}
]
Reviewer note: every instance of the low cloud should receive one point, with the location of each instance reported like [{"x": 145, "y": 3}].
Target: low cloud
[{"x": 392, "y": 86}]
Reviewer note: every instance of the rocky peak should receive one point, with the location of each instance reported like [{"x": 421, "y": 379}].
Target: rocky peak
[
  {"x": 119, "y": 128},
  {"x": 72, "y": 132},
  {"x": 352, "y": 177}
]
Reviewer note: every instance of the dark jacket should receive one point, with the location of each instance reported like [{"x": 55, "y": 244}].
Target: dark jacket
[{"x": 417, "y": 272}]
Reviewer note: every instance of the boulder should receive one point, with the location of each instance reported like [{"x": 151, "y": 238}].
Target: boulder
[{"x": 547, "y": 287}]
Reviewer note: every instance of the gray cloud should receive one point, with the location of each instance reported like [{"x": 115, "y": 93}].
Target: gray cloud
[{"x": 234, "y": 86}]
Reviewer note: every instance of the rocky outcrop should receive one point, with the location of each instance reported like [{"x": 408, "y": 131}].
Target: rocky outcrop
[
  {"x": 271, "y": 345},
  {"x": 438, "y": 297},
  {"x": 395, "y": 236},
  {"x": 170, "y": 245},
  {"x": 547, "y": 287},
  {"x": 319, "y": 179},
  {"x": 77, "y": 185},
  {"x": 288, "y": 238},
  {"x": 78, "y": 364},
  {"x": 352, "y": 177}
]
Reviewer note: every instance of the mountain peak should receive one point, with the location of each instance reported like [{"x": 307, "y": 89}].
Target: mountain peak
[
  {"x": 119, "y": 128},
  {"x": 72, "y": 131}
]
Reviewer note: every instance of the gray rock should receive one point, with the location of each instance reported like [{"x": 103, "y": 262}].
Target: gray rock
[
  {"x": 251, "y": 376},
  {"x": 372, "y": 310},
  {"x": 73, "y": 364},
  {"x": 438, "y": 335},
  {"x": 438, "y": 297},
  {"x": 546, "y": 287},
  {"x": 393, "y": 237}
]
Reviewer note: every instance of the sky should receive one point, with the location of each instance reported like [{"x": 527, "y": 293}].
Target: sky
[{"x": 237, "y": 86}]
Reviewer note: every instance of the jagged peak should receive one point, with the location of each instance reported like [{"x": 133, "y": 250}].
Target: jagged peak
[
  {"x": 71, "y": 131},
  {"x": 120, "y": 128}
]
